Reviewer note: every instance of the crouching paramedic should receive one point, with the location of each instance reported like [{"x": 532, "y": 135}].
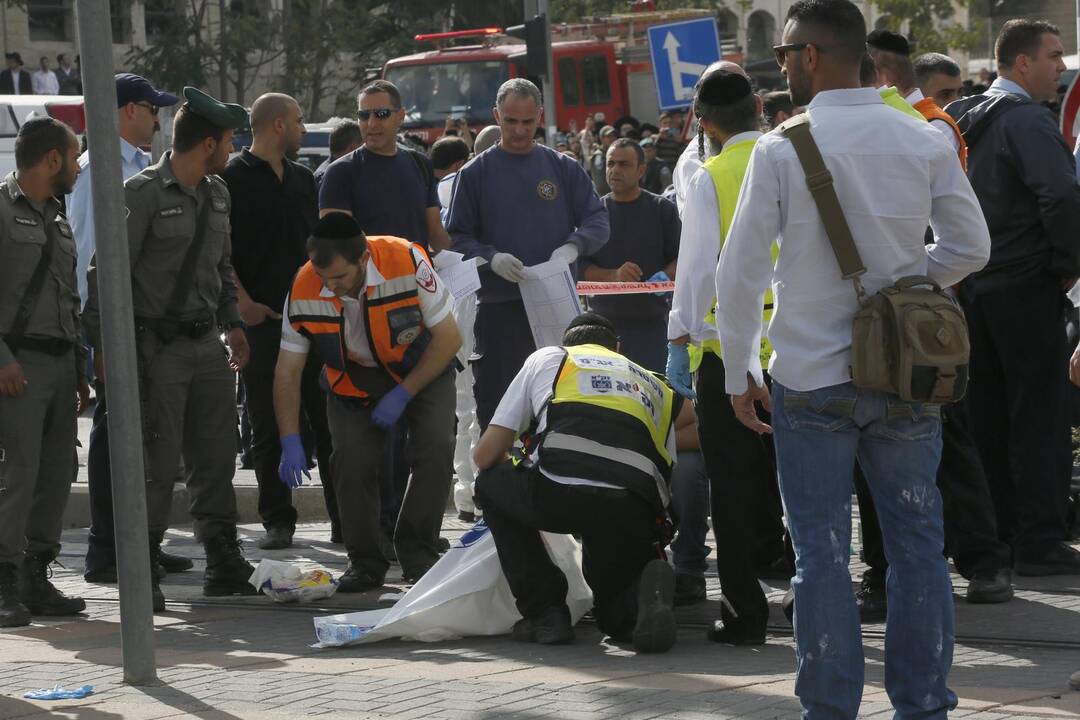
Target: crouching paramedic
[
  {"x": 379, "y": 317},
  {"x": 600, "y": 446}
]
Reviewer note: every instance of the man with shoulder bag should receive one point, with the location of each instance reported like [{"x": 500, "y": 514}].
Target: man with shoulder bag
[{"x": 865, "y": 348}]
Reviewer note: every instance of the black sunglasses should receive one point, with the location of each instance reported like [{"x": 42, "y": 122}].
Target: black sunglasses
[
  {"x": 781, "y": 51},
  {"x": 149, "y": 106},
  {"x": 379, "y": 113}
]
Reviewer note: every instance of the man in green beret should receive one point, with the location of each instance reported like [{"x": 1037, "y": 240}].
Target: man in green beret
[{"x": 184, "y": 296}]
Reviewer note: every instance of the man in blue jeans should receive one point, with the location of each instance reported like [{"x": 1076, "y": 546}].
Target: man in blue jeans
[{"x": 893, "y": 176}]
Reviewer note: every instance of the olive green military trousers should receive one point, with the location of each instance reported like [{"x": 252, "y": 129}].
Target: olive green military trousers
[
  {"x": 188, "y": 395},
  {"x": 37, "y": 456}
]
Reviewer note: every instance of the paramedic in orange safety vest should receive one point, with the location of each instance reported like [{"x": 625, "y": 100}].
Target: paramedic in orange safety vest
[{"x": 378, "y": 315}]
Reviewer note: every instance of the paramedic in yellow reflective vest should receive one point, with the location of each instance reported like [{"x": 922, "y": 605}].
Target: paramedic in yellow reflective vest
[
  {"x": 600, "y": 445},
  {"x": 379, "y": 317},
  {"x": 745, "y": 499}
]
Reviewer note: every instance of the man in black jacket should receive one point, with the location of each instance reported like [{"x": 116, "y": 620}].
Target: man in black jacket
[
  {"x": 1025, "y": 179},
  {"x": 15, "y": 80}
]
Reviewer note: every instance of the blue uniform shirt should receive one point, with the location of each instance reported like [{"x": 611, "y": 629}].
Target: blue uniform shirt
[
  {"x": 80, "y": 207},
  {"x": 526, "y": 205}
]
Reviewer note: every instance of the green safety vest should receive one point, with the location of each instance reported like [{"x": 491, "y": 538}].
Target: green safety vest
[
  {"x": 892, "y": 98},
  {"x": 609, "y": 420},
  {"x": 727, "y": 171}
]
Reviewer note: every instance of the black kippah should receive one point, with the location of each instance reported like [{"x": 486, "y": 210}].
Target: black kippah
[
  {"x": 889, "y": 41},
  {"x": 590, "y": 318},
  {"x": 723, "y": 87},
  {"x": 337, "y": 225}
]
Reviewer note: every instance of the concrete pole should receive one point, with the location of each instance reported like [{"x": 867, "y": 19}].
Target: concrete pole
[
  {"x": 549, "y": 75},
  {"x": 118, "y": 333}
]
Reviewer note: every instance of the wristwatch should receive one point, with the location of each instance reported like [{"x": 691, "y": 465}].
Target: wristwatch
[{"x": 233, "y": 324}]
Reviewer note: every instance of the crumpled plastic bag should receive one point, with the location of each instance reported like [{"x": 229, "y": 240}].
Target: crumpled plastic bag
[
  {"x": 59, "y": 692},
  {"x": 464, "y": 594},
  {"x": 285, "y": 582}
]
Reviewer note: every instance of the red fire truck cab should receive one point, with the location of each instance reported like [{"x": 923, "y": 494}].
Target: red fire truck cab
[{"x": 462, "y": 82}]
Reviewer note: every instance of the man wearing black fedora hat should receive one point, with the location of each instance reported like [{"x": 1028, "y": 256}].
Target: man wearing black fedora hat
[{"x": 15, "y": 80}]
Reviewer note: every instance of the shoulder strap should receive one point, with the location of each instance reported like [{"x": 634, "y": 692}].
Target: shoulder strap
[
  {"x": 187, "y": 269},
  {"x": 426, "y": 173},
  {"x": 820, "y": 183},
  {"x": 33, "y": 292}
]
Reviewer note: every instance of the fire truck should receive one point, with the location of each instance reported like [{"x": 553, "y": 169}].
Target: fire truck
[{"x": 601, "y": 65}]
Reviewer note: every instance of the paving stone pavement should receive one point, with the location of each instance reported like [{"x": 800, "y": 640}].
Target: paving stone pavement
[{"x": 247, "y": 657}]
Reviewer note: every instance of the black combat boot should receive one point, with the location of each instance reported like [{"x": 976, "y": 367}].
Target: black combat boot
[
  {"x": 156, "y": 596},
  {"x": 227, "y": 572},
  {"x": 12, "y": 612},
  {"x": 38, "y": 594}
]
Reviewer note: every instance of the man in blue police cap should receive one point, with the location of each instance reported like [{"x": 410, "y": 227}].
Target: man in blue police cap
[{"x": 138, "y": 103}]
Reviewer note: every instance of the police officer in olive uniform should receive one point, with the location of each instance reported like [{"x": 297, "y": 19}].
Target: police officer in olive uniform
[
  {"x": 183, "y": 295},
  {"x": 42, "y": 377}
]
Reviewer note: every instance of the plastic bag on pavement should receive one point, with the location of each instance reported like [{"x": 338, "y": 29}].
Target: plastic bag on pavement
[
  {"x": 285, "y": 582},
  {"x": 464, "y": 594},
  {"x": 59, "y": 692}
]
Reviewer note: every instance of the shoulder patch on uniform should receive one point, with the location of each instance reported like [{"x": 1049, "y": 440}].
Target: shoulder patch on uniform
[
  {"x": 219, "y": 204},
  {"x": 425, "y": 277},
  {"x": 171, "y": 211},
  {"x": 65, "y": 229},
  {"x": 137, "y": 181},
  {"x": 30, "y": 222}
]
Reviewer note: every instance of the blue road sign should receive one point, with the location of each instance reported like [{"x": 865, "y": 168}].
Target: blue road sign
[{"x": 680, "y": 53}]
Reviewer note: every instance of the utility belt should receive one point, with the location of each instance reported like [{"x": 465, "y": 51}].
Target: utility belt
[
  {"x": 168, "y": 330},
  {"x": 50, "y": 346}
]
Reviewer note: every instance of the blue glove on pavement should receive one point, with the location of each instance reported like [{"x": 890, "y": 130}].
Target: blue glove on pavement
[
  {"x": 293, "y": 461},
  {"x": 660, "y": 276},
  {"x": 678, "y": 370},
  {"x": 389, "y": 409}
]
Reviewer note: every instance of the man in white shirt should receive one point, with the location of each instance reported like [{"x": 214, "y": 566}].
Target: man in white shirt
[
  {"x": 44, "y": 80},
  {"x": 821, "y": 420},
  {"x": 599, "y": 435},
  {"x": 739, "y": 464}
]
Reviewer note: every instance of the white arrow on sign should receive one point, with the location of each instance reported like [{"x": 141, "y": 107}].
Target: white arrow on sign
[{"x": 680, "y": 68}]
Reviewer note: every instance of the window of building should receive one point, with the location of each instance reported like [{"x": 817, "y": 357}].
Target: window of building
[
  {"x": 164, "y": 18},
  {"x": 568, "y": 82},
  {"x": 50, "y": 20},
  {"x": 594, "y": 78},
  {"x": 120, "y": 15}
]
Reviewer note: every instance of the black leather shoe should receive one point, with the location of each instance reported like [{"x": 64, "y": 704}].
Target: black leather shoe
[
  {"x": 990, "y": 587},
  {"x": 276, "y": 538},
  {"x": 871, "y": 600},
  {"x": 443, "y": 545},
  {"x": 354, "y": 580},
  {"x": 689, "y": 589},
  {"x": 12, "y": 612},
  {"x": 732, "y": 630},
  {"x": 778, "y": 569},
  {"x": 1060, "y": 559},
  {"x": 227, "y": 572},
  {"x": 38, "y": 594},
  {"x": 551, "y": 627},
  {"x": 655, "y": 629},
  {"x": 175, "y": 563},
  {"x": 101, "y": 575},
  {"x": 466, "y": 516}
]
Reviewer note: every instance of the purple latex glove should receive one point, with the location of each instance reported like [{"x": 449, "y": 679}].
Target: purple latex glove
[
  {"x": 389, "y": 409},
  {"x": 293, "y": 461}
]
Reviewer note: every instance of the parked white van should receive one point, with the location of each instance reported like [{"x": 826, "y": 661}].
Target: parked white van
[{"x": 17, "y": 109}]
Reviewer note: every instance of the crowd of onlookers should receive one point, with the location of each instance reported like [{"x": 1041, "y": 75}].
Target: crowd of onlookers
[{"x": 64, "y": 79}]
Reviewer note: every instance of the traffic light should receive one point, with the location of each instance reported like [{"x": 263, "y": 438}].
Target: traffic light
[{"x": 532, "y": 32}]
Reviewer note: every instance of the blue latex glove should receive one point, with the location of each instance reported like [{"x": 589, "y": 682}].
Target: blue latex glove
[
  {"x": 389, "y": 409},
  {"x": 678, "y": 370},
  {"x": 293, "y": 461},
  {"x": 660, "y": 276}
]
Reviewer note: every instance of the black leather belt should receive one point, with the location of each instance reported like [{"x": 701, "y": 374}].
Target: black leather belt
[
  {"x": 49, "y": 346},
  {"x": 168, "y": 329}
]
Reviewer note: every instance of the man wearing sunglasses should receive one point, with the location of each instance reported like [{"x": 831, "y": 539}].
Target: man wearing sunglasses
[
  {"x": 388, "y": 188},
  {"x": 138, "y": 103}
]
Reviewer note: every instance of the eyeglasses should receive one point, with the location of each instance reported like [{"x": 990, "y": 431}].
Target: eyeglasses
[
  {"x": 379, "y": 113},
  {"x": 152, "y": 108},
  {"x": 782, "y": 51}
]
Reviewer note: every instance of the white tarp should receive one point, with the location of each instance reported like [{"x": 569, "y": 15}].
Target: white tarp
[{"x": 464, "y": 594}]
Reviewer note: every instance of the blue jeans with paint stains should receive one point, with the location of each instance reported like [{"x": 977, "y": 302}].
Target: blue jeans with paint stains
[{"x": 818, "y": 435}]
